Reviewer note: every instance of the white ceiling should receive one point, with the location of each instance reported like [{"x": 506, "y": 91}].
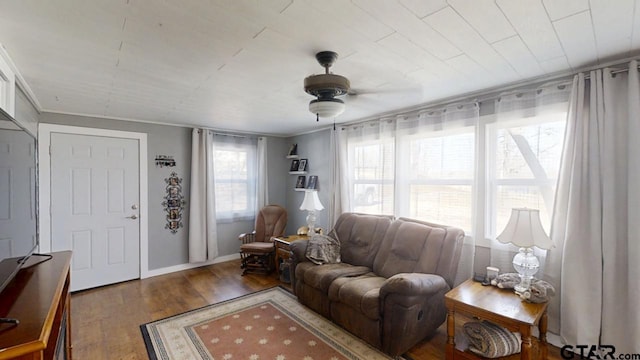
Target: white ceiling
[{"x": 240, "y": 64}]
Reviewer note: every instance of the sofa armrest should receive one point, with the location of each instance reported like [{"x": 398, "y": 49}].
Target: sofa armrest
[
  {"x": 412, "y": 284},
  {"x": 411, "y": 304},
  {"x": 298, "y": 255}
]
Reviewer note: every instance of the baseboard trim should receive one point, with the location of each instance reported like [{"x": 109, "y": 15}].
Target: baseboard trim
[{"x": 175, "y": 268}]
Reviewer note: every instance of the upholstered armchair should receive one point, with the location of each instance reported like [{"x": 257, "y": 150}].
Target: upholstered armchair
[{"x": 257, "y": 250}]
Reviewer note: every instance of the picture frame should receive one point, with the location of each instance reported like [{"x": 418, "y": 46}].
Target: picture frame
[
  {"x": 302, "y": 166},
  {"x": 293, "y": 150},
  {"x": 313, "y": 182},
  {"x": 294, "y": 165},
  {"x": 300, "y": 183}
]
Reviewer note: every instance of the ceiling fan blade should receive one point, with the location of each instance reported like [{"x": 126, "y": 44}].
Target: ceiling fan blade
[{"x": 384, "y": 90}]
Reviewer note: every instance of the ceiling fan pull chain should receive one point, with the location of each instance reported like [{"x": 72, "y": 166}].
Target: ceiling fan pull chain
[{"x": 317, "y": 117}]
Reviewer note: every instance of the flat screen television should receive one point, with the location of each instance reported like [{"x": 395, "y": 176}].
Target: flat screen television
[{"x": 18, "y": 198}]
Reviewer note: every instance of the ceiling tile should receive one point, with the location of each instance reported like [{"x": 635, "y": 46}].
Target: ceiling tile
[
  {"x": 520, "y": 58},
  {"x": 560, "y": 9},
  {"x": 354, "y": 18},
  {"x": 422, "y": 8},
  {"x": 613, "y": 25},
  {"x": 576, "y": 34},
  {"x": 410, "y": 26},
  {"x": 461, "y": 34},
  {"x": 557, "y": 65},
  {"x": 530, "y": 19},
  {"x": 485, "y": 17}
]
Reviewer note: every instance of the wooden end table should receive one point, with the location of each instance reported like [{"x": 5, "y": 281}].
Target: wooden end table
[
  {"x": 283, "y": 250},
  {"x": 499, "y": 306}
]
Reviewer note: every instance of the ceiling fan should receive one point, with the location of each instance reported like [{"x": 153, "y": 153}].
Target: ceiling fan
[{"x": 326, "y": 87}]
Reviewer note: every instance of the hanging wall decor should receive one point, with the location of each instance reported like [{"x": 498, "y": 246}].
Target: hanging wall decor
[
  {"x": 174, "y": 203},
  {"x": 165, "y": 160}
]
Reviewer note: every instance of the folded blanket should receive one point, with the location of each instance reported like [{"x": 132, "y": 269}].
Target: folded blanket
[
  {"x": 490, "y": 340},
  {"x": 323, "y": 249}
]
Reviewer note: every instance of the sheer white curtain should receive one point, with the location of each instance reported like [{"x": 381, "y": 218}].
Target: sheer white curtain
[
  {"x": 338, "y": 151},
  {"x": 262, "y": 192},
  {"x": 437, "y": 172},
  {"x": 203, "y": 242},
  {"x": 596, "y": 218},
  {"x": 524, "y": 147},
  {"x": 366, "y": 154}
]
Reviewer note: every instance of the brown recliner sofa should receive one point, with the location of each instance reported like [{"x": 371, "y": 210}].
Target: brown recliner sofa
[{"x": 389, "y": 287}]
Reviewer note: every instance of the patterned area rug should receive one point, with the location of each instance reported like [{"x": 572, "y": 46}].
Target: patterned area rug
[{"x": 269, "y": 324}]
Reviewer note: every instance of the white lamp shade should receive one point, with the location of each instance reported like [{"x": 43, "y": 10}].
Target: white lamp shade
[
  {"x": 311, "y": 201},
  {"x": 326, "y": 107},
  {"x": 524, "y": 229}
]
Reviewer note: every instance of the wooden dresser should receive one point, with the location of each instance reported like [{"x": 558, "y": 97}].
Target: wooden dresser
[{"x": 39, "y": 298}]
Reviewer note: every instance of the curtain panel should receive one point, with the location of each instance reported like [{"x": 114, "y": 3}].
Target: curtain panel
[
  {"x": 595, "y": 221},
  {"x": 203, "y": 241}
]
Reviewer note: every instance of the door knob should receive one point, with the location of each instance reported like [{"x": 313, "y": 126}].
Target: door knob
[{"x": 132, "y": 217}]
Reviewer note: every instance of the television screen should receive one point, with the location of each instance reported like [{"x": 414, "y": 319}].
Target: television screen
[{"x": 18, "y": 197}]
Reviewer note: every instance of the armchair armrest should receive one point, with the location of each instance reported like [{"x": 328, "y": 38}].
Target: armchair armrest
[
  {"x": 412, "y": 284},
  {"x": 247, "y": 238}
]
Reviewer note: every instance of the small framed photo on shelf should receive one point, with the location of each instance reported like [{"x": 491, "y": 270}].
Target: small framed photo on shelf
[
  {"x": 302, "y": 166},
  {"x": 293, "y": 150},
  {"x": 313, "y": 182},
  {"x": 294, "y": 165},
  {"x": 300, "y": 183}
]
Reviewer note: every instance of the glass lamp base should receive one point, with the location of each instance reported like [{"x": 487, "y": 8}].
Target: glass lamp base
[
  {"x": 311, "y": 223},
  {"x": 526, "y": 264}
]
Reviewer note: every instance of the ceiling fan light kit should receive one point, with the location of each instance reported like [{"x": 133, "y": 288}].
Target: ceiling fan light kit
[
  {"x": 326, "y": 108},
  {"x": 325, "y": 87}
]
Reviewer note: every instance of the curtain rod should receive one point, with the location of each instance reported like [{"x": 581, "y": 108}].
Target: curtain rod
[
  {"x": 492, "y": 93},
  {"x": 613, "y": 72},
  {"x": 230, "y": 134}
]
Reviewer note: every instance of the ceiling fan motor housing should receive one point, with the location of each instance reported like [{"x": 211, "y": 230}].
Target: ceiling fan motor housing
[{"x": 326, "y": 85}]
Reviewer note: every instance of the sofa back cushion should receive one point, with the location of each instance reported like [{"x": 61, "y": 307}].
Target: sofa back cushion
[
  {"x": 417, "y": 246},
  {"x": 360, "y": 237}
]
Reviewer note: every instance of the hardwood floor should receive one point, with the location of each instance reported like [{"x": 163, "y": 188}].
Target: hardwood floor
[{"x": 106, "y": 321}]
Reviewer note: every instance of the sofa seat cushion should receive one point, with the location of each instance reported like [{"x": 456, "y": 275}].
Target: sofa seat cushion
[
  {"x": 361, "y": 293},
  {"x": 321, "y": 276}
]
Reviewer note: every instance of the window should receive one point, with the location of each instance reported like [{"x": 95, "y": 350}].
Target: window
[
  {"x": 373, "y": 176},
  {"x": 439, "y": 178},
  {"x": 235, "y": 171},
  {"x": 453, "y": 167},
  {"x": 524, "y": 160}
]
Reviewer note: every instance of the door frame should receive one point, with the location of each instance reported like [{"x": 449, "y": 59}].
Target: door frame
[{"x": 44, "y": 179}]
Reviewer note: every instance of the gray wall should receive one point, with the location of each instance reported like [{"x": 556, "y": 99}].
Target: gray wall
[
  {"x": 167, "y": 249},
  {"x": 316, "y": 147}
]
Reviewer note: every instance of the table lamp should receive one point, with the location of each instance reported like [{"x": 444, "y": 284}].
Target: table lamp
[
  {"x": 525, "y": 230},
  {"x": 312, "y": 204}
]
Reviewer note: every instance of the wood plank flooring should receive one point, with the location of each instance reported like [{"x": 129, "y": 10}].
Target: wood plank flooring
[{"x": 106, "y": 320}]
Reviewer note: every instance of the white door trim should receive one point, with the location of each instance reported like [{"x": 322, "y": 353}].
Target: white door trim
[{"x": 44, "y": 179}]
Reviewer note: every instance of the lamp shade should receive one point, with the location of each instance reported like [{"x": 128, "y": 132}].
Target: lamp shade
[
  {"x": 326, "y": 107},
  {"x": 524, "y": 229},
  {"x": 311, "y": 201}
]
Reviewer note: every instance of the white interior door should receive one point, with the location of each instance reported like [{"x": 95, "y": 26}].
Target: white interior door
[{"x": 95, "y": 200}]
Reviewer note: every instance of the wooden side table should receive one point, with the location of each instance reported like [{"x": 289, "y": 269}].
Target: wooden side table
[
  {"x": 283, "y": 250},
  {"x": 499, "y": 306}
]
